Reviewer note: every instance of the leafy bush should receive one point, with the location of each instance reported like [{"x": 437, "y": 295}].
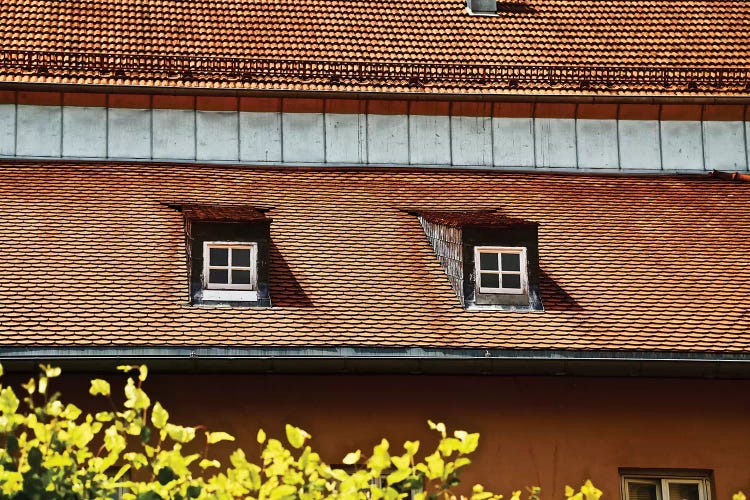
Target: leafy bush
[{"x": 52, "y": 450}]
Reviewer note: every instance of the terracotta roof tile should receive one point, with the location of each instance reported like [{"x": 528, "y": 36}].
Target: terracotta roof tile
[
  {"x": 628, "y": 263},
  {"x": 660, "y": 34}
]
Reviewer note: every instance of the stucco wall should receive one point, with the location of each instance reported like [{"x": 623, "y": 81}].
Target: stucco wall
[{"x": 535, "y": 430}]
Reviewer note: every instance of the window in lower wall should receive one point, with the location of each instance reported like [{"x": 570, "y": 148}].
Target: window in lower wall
[{"x": 666, "y": 485}]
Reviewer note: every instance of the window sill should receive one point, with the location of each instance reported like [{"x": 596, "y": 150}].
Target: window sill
[{"x": 230, "y": 295}]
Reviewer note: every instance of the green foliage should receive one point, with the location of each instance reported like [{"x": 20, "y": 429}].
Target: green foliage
[{"x": 52, "y": 450}]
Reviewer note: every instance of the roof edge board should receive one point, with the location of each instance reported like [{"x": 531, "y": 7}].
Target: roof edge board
[
  {"x": 16, "y": 353},
  {"x": 399, "y": 95}
]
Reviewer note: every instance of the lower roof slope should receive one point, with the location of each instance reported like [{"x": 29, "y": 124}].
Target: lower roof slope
[{"x": 93, "y": 257}]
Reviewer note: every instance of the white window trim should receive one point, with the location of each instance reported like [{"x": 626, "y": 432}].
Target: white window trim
[
  {"x": 663, "y": 481},
  {"x": 521, "y": 251},
  {"x": 211, "y": 290}
]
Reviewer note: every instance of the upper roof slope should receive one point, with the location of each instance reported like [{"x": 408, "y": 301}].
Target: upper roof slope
[
  {"x": 635, "y": 36},
  {"x": 92, "y": 257}
]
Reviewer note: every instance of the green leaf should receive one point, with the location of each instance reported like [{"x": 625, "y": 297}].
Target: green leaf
[
  {"x": 8, "y": 401},
  {"x": 411, "y": 447},
  {"x": 193, "y": 491},
  {"x": 296, "y": 436},
  {"x": 352, "y": 458},
  {"x": 283, "y": 491},
  {"x": 99, "y": 387},
  {"x": 165, "y": 475},
  {"x": 159, "y": 416},
  {"x": 104, "y": 416},
  {"x": 126, "y": 368},
  {"x": 401, "y": 462},
  {"x": 142, "y": 372},
  {"x": 179, "y": 433},
  {"x": 145, "y": 434},
  {"x": 11, "y": 444},
  {"x": 43, "y": 385},
  {"x": 206, "y": 463},
  {"x": 148, "y": 495},
  {"x": 51, "y": 371},
  {"x": 398, "y": 476},
  {"x": 215, "y": 437},
  {"x": 469, "y": 444},
  {"x": 30, "y": 386},
  {"x": 261, "y": 437},
  {"x": 35, "y": 458},
  {"x": 136, "y": 397}
]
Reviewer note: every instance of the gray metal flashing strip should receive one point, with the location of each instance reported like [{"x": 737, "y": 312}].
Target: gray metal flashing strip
[{"x": 416, "y": 353}]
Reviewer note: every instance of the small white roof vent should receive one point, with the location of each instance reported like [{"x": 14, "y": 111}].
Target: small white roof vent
[{"x": 482, "y": 7}]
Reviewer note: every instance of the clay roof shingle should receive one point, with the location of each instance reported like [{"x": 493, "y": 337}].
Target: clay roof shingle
[
  {"x": 91, "y": 257},
  {"x": 170, "y": 41}
]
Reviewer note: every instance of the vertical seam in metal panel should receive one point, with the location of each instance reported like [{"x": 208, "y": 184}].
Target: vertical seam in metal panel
[
  {"x": 106, "y": 126},
  {"x": 661, "y": 145},
  {"x": 361, "y": 130},
  {"x": 492, "y": 135},
  {"x": 617, "y": 136},
  {"x": 408, "y": 132},
  {"x": 744, "y": 134},
  {"x": 533, "y": 134},
  {"x": 62, "y": 126},
  {"x": 703, "y": 138},
  {"x": 195, "y": 128},
  {"x": 15, "y": 118},
  {"x": 237, "y": 122},
  {"x": 281, "y": 126},
  {"x": 151, "y": 124},
  {"x": 367, "y": 131},
  {"x": 325, "y": 132},
  {"x": 575, "y": 133},
  {"x": 451, "y": 132}
]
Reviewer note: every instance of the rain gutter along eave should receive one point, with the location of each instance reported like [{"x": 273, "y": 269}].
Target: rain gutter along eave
[{"x": 408, "y": 360}]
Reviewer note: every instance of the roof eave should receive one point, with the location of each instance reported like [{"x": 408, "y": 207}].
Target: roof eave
[
  {"x": 407, "y": 360},
  {"x": 520, "y": 96}
]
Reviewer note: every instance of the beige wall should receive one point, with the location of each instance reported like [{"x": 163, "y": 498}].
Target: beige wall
[{"x": 546, "y": 431}]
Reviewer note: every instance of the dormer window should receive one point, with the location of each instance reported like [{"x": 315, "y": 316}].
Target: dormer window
[
  {"x": 501, "y": 269},
  {"x": 490, "y": 259},
  {"x": 228, "y": 254},
  {"x": 230, "y": 271}
]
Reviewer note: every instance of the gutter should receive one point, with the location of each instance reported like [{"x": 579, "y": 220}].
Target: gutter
[{"x": 374, "y": 360}]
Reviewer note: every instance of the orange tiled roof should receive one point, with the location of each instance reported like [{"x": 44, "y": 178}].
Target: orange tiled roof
[
  {"x": 91, "y": 257},
  {"x": 626, "y": 44}
]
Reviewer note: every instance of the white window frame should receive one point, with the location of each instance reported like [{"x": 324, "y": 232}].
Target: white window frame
[
  {"x": 230, "y": 291},
  {"x": 662, "y": 483},
  {"x": 520, "y": 251}
]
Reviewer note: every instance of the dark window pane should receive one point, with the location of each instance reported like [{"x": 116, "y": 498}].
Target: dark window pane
[
  {"x": 218, "y": 256},
  {"x": 511, "y": 281},
  {"x": 241, "y": 257},
  {"x": 240, "y": 277},
  {"x": 218, "y": 276},
  {"x": 641, "y": 491},
  {"x": 511, "y": 262},
  {"x": 488, "y": 261},
  {"x": 683, "y": 491},
  {"x": 490, "y": 280}
]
